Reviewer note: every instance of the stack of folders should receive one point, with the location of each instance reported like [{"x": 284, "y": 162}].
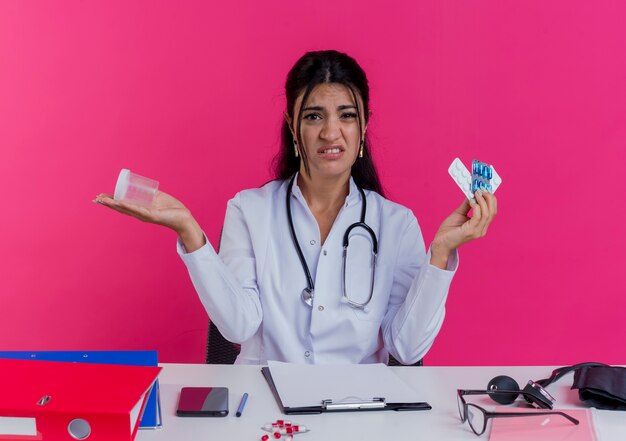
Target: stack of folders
[
  {"x": 151, "y": 418},
  {"x": 44, "y": 400}
]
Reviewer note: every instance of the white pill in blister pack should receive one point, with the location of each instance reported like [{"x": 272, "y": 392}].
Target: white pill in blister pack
[{"x": 463, "y": 178}]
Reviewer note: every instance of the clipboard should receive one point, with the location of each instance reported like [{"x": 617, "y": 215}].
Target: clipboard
[{"x": 327, "y": 405}]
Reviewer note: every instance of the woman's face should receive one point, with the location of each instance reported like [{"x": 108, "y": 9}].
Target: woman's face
[{"x": 329, "y": 130}]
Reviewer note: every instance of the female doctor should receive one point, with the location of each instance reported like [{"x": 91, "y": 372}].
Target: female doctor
[{"x": 282, "y": 284}]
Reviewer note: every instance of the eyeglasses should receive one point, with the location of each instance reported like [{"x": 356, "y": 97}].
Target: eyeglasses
[{"x": 478, "y": 417}]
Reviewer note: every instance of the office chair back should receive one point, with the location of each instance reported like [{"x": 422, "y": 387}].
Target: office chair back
[{"x": 218, "y": 349}]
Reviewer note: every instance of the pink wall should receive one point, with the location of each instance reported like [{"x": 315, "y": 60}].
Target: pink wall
[{"x": 190, "y": 93}]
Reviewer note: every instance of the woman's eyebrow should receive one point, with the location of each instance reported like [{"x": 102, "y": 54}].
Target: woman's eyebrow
[{"x": 320, "y": 108}]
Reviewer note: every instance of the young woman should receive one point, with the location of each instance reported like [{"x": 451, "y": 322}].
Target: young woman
[{"x": 317, "y": 266}]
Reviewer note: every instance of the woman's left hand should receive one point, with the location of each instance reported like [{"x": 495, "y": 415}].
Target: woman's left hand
[{"x": 459, "y": 228}]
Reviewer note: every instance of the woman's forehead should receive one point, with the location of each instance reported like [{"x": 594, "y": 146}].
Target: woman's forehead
[{"x": 336, "y": 93}]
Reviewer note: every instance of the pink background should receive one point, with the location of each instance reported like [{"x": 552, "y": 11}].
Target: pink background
[{"x": 190, "y": 93}]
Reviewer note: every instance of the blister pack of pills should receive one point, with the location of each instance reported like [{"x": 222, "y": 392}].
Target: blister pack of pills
[{"x": 483, "y": 176}]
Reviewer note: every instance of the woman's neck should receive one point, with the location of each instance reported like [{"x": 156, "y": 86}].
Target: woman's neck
[
  {"x": 323, "y": 194},
  {"x": 325, "y": 197}
]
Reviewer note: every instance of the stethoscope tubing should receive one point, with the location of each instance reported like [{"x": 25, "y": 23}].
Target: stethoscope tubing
[
  {"x": 308, "y": 292},
  {"x": 305, "y": 267}
]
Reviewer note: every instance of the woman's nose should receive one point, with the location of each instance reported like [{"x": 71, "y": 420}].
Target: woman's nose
[{"x": 331, "y": 130}]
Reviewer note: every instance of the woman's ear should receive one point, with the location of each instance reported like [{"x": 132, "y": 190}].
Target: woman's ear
[{"x": 289, "y": 121}]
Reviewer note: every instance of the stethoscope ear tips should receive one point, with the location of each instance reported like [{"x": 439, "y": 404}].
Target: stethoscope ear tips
[{"x": 503, "y": 382}]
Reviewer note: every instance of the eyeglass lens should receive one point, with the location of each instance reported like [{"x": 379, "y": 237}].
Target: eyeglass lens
[
  {"x": 461, "y": 405},
  {"x": 476, "y": 419}
]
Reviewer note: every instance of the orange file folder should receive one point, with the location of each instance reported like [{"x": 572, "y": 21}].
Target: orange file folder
[{"x": 57, "y": 401}]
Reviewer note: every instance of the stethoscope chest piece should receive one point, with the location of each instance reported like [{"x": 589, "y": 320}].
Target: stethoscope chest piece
[{"x": 307, "y": 296}]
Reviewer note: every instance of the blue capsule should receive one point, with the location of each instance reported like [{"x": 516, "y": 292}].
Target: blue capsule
[{"x": 481, "y": 176}]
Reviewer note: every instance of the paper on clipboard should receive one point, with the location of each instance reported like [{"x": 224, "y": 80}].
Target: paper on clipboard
[{"x": 301, "y": 385}]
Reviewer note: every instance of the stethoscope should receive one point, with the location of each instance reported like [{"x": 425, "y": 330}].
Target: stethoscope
[{"x": 308, "y": 292}]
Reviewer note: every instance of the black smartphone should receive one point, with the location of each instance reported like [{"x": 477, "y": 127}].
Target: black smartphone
[{"x": 203, "y": 402}]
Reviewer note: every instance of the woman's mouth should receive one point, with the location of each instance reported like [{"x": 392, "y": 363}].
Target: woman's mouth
[{"x": 330, "y": 151}]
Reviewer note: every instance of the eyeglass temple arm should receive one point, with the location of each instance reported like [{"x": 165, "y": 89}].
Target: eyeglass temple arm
[
  {"x": 528, "y": 414},
  {"x": 489, "y": 392}
]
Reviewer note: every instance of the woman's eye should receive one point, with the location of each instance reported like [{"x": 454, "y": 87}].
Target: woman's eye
[
  {"x": 312, "y": 117},
  {"x": 348, "y": 115}
]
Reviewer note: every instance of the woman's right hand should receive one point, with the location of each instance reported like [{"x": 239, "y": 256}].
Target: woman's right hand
[{"x": 166, "y": 210}]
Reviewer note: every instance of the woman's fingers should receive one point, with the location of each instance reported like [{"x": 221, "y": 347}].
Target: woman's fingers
[
  {"x": 105, "y": 199},
  {"x": 492, "y": 203},
  {"x": 458, "y": 228},
  {"x": 165, "y": 210},
  {"x": 480, "y": 217},
  {"x": 136, "y": 211},
  {"x": 484, "y": 220},
  {"x": 474, "y": 224},
  {"x": 488, "y": 204}
]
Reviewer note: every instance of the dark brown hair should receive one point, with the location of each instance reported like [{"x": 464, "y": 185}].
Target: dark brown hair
[{"x": 313, "y": 69}]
